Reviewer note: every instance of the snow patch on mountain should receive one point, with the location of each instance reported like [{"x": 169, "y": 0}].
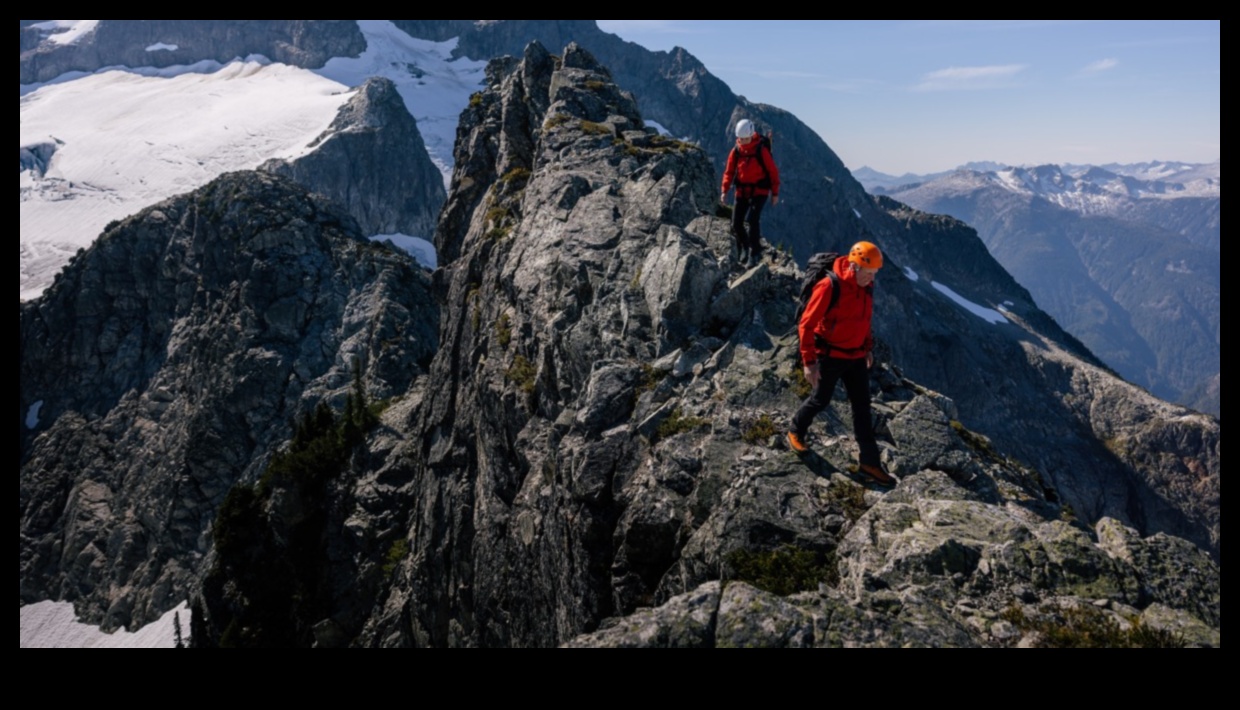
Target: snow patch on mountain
[
  {"x": 1011, "y": 179},
  {"x": 1160, "y": 180},
  {"x": 99, "y": 147},
  {"x": 434, "y": 86},
  {"x": 66, "y": 31},
  {"x": 125, "y": 139},
  {"x": 1174, "y": 171},
  {"x": 1088, "y": 190},
  {"x": 421, "y": 250},
  {"x": 989, "y": 315},
  {"x": 32, "y": 415},
  {"x": 658, "y": 127},
  {"x": 51, "y": 624},
  {"x": 206, "y": 66}
]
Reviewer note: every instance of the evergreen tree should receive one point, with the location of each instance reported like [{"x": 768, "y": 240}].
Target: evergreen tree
[{"x": 176, "y": 629}]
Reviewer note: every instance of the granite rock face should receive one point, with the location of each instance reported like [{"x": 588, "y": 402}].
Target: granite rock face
[
  {"x": 821, "y": 207},
  {"x": 934, "y": 563},
  {"x": 570, "y": 263},
  {"x": 372, "y": 160},
  {"x": 168, "y": 360},
  {"x": 603, "y": 438}
]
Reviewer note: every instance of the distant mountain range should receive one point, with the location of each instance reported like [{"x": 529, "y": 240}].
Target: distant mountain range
[
  {"x": 1125, "y": 257},
  {"x": 1177, "y": 177}
]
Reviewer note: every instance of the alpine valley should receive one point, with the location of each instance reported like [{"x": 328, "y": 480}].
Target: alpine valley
[
  {"x": 250, "y": 385},
  {"x": 1123, "y": 256}
]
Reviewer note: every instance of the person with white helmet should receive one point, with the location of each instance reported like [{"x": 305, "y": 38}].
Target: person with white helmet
[{"x": 752, "y": 171}]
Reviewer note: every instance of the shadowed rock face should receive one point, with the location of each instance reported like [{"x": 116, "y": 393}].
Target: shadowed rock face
[
  {"x": 372, "y": 161},
  {"x": 29, "y": 37},
  {"x": 303, "y": 43},
  {"x": 166, "y": 362},
  {"x": 571, "y": 267}
]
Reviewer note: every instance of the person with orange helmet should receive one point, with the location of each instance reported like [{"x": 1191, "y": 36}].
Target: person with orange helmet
[{"x": 836, "y": 344}]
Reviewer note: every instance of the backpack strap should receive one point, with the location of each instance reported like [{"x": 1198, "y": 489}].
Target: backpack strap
[
  {"x": 835, "y": 297},
  {"x": 763, "y": 145}
]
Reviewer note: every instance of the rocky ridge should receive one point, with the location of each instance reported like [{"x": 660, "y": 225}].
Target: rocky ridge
[
  {"x": 168, "y": 360},
  {"x": 932, "y": 565},
  {"x": 1022, "y": 408},
  {"x": 606, "y": 435}
]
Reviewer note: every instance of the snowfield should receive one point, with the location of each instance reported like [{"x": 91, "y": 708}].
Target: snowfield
[
  {"x": 99, "y": 147},
  {"x": 118, "y": 141},
  {"x": 54, "y": 625}
]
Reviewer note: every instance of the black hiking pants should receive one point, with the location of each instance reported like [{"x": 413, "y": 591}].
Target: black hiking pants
[
  {"x": 748, "y": 209},
  {"x": 856, "y": 377}
]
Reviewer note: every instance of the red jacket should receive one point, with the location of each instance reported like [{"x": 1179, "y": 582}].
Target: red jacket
[
  {"x": 745, "y": 171},
  {"x": 844, "y": 330}
]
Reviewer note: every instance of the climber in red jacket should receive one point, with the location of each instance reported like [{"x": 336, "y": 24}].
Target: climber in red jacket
[
  {"x": 752, "y": 171},
  {"x": 836, "y": 344}
]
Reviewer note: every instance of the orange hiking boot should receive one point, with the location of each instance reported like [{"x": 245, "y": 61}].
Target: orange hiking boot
[
  {"x": 796, "y": 444},
  {"x": 877, "y": 473}
]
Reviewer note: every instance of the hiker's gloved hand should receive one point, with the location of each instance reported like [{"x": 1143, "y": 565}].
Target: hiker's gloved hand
[
  {"x": 723, "y": 197},
  {"x": 774, "y": 200},
  {"x": 869, "y": 361},
  {"x": 811, "y": 375}
]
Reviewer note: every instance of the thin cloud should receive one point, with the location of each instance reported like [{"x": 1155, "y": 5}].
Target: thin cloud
[
  {"x": 784, "y": 74},
  {"x": 970, "y": 78},
  {"x": 665, "y": 26},
  {"x": 1082, "y": 151},
  {"x": 991, "y": 25},
  {"x": 1163, "y": 42},
  {"x": 849, "y": 86},
  {"x": 1100, "y": 66}
]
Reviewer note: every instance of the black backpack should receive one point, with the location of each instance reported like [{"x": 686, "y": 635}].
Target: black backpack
[
  {"x": 765, "y": 182},
  {"x": 821, "y": 266}
]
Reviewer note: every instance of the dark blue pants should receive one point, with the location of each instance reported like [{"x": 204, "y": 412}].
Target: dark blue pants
[
  {"x": 748, "y": 209},
  {"x": 856, "y": 377}
]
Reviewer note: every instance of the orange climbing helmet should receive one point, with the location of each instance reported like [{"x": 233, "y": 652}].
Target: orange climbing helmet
[{"x": 866, "y": 255}]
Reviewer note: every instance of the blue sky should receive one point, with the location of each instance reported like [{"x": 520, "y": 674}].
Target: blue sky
[{"x": 923, "y": 96}]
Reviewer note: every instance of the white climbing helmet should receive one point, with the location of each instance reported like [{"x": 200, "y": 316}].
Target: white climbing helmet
[{"x": 744, "y": 128}]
